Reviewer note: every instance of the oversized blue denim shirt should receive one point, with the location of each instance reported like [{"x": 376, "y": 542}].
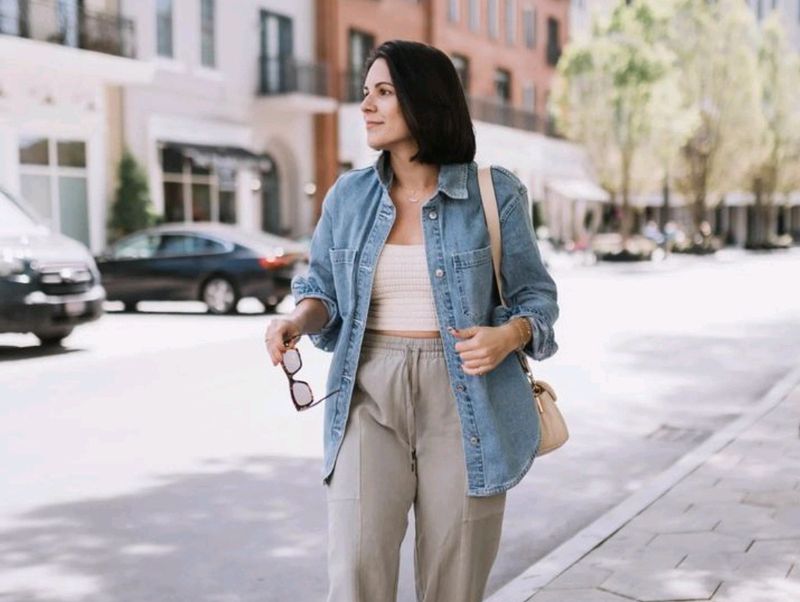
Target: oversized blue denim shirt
[{"x": 499, "y": 424}]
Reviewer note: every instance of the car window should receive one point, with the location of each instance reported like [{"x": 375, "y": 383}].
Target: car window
[
  {"x": 175, "y": 244},
  {"x": 13, "y": 219},
  {"x": 205, "y": 246},
  {"x": 142, "y": 246}
]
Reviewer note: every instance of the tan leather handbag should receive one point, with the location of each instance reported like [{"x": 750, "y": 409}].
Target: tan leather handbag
[{"x": 554, "y": 431}]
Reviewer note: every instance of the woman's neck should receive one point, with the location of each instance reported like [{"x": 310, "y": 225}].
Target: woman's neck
[{"x": 412, "y": 175}]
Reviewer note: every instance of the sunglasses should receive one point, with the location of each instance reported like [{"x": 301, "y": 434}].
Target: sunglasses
[{"x": 302, "y": 397}]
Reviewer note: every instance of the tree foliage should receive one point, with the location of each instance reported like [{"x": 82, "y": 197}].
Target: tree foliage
[{"x": 131, "y": 210}]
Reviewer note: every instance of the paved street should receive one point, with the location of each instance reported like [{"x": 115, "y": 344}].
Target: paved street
[
  {"x": 727, "y": 532},
  {"x": 158, "y": 457}
]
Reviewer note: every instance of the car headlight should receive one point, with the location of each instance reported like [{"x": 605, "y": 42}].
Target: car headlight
[{"x": 11, "y": 265}]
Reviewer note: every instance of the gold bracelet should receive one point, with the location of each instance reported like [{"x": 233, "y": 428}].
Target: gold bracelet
[
  {"x": 527, "y": 333},
  {"x": 522, "y": 331}
]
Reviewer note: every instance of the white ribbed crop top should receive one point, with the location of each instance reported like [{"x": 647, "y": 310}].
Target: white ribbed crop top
[{"x": 402, "y": 298}]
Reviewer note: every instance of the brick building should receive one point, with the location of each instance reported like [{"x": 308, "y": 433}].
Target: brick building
[{"x": 504, "y": 50}]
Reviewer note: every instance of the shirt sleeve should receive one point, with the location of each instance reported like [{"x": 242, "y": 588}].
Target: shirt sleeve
[
  {"x": 528, "y": 289},
  {"x": 317, "y": 282}
]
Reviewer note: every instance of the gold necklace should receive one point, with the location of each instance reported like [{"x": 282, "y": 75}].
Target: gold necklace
[{"x": 413, "y": 196}]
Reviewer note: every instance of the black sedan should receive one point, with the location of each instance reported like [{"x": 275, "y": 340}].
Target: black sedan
[
  {"x": 48, "y": 283},
  {"x": 211, "y": 262}
]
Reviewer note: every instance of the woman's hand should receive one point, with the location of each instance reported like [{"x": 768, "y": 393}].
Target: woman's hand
[
  {"x": 282, "y": 334},
  {"x": 482, "y": 348}
]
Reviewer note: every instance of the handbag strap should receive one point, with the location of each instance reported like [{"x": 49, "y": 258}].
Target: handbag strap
[{"x": 491, "y": 214}]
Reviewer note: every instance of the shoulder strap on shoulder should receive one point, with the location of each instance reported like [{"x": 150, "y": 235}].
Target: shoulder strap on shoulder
[{"x": 492, "y": 216}]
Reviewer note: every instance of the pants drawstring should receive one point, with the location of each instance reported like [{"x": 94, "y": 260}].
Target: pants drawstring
[{"x": 412, "y": 359}]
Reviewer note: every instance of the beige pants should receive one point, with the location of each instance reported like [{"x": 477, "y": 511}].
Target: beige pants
[{"x": 402, "y": 448}]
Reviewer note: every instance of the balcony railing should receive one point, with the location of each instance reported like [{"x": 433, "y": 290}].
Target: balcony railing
[
  {"x": 494, "y": 111},
  {"x": 284, "y": 75},
  {"x": 350, "y": 89},
  {"x": 481, "y": 109},
  {"x": 68, "y": 24}
]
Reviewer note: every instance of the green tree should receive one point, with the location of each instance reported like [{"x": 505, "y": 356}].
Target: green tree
[
  {"x": 776, "y": 172},
  {"x": 609, "y": 94},
  {"x": 131, "y": 210},
  {"x": 716, "y": 47}
]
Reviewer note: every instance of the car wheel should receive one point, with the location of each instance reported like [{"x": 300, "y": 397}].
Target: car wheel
[
  {"x": 53, "y": 337},
  {"x": 129, "y": 306},
  {"x": 220, "y": 295}
]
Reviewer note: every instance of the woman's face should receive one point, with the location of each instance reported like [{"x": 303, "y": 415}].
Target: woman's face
[{"x": 386, "y": 126}]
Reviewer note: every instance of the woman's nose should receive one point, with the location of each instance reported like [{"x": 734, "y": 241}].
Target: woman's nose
[{"x": 366, "y": 104}]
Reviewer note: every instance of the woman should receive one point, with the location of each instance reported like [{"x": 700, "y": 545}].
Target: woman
[{"x": 432, "y": 409}]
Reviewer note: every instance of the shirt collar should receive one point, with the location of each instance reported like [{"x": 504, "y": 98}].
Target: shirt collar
[{"x": 452, "y": 176}]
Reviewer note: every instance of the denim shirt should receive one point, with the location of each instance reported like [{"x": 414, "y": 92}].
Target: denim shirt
[{"x": 499, "y": 424}]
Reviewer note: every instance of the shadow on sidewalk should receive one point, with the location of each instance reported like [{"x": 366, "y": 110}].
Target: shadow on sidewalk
[{"x": 213, "y": 537}]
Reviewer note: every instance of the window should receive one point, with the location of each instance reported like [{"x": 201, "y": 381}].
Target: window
[
  {"x": 207, "y": 49},
  {"x": 529, "y": 27},
  {"x": 461, "y": 63},
  {"x": 194, "y": 192},
  {"x": 200, "y": 245},
  {"x": 553, "y": 47},
  {"x": 529, "y": 98},
  {"x": 164, "y": 28},
  {"x": 138, "y": 246},
  {"x": 452, "y": 10},
  {"x": 277, "y": 53},
  {"x": 511, "y": 21},
  {"x": 474, "y": 15},
  {"x": 502, "y": 85},
  {"x": 361, "y": 44},
  {"x": 492, "y": 17},
  {"x": 53, "y": 179}
]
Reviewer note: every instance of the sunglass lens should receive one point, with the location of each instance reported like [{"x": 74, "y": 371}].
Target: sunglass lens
[
  {"x": 302, "y": 394},
  {"x": 291, "y": 360}
]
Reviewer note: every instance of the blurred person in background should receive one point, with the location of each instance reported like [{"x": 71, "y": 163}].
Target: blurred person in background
[{"x": 431, "y": 408}]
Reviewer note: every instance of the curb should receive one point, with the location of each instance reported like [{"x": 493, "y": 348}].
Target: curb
[{"x": 542, "y": 572}]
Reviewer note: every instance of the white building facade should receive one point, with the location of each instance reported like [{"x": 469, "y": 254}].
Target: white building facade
[
  {"x": 60, "y": 64},
  {"x": 225, "y": 130}
]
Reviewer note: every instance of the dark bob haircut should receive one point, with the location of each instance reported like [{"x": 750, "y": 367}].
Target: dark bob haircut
[{"x": 431, "y": 99}]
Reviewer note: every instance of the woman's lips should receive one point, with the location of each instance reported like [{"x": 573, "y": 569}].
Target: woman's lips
[{"x": 372, "y": 124}]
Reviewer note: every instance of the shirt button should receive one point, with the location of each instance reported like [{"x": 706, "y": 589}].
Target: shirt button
[
  {"x": 432, "y": 215},
  {"x": 439, "y": 273},
  {"x": 460, "y": 388},
  {"x": 473, "y": 440}
]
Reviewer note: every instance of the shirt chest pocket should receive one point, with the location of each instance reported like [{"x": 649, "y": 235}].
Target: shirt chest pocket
[
  {"x": 473, "y": 277},
  {"x": 342, "y": 262}
]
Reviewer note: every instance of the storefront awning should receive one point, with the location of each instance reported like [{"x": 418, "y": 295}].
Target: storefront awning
[
  {"x": 578, "y": 190},
  {"x": 216, "y": 156}
]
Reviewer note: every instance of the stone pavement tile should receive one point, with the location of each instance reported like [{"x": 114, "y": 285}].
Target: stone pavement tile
[
  {"x": 735, "y": 565},
  {"x": 696, "y": 495},
  {"x": 787, "y": 496},
  {"x": 784, "y": 549},
  {"x": 759, "y": 590},
  {"x": 667, "y": 517},
  {"x": 690, "y": 542},
  {"x": 740, "y": 519},
  {"x": 636, "y": 559},
  {"x": 756, "y": 484},
  {"x": 789, "y": 517},
  {"x": 576, "y": 595},
  {"x": 672, "y": 584},
  {"x": 580, "y": 576}
]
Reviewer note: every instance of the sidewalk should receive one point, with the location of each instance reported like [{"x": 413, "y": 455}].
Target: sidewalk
[{"x": 728, "y": 531}]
